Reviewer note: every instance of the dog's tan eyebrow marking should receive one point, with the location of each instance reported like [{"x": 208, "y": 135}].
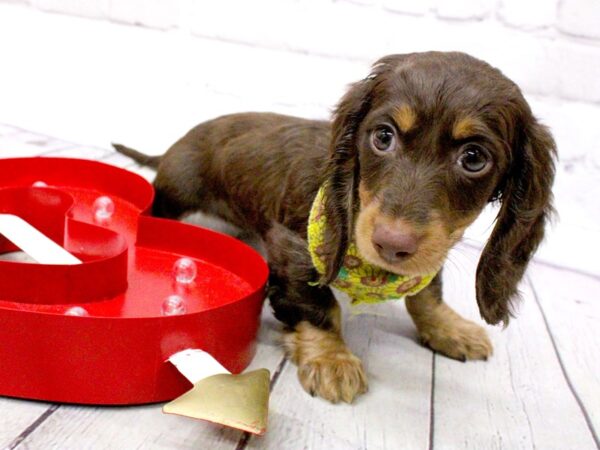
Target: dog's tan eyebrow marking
[
  {"x": 466, "y": 127},
  {"x": 405, "y": 118}
]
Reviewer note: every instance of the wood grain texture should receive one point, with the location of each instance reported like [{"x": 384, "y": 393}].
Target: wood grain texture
[
  {"x": 116, "y": 159},
  {"x": 71, "y": 426},
  {"x": 519, "y": 399},
  {"x": 7, "y": 130},
  {"x": 570, "y": 303},
  {"x": 79, "y": 427},
  {"x": 526, "y": 396},
  {"x": 393, "y": 414},
  {"x": 16, "y": 416},
  {"x": 13, "y": 146},
  {"x": 80, "y": 151}
]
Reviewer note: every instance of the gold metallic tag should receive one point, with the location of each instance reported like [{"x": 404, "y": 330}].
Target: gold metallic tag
[{"x": 238, "y": 401}]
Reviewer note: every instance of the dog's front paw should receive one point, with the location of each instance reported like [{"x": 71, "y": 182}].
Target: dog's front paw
[
  {"x": 335, "y": 377},
  {"x": 457, "y": 338},
  {"x": 326, "y": 367}
]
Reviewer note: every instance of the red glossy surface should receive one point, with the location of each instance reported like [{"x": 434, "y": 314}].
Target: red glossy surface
[{"x": 116, "y": 354}]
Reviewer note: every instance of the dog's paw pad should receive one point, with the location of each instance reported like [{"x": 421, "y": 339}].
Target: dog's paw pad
[{"x": 335, "y": 377}]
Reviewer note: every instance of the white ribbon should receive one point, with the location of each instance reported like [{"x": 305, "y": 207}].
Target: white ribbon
[
  {"x": 196, "y": 364},
  {"x": 33, "y": 242}
]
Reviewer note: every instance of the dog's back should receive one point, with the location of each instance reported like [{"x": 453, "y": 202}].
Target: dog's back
[{"x": 233, "y": 167}]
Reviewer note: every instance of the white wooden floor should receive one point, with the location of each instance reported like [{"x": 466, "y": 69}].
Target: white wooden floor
[{"x": 541, "y": 389}]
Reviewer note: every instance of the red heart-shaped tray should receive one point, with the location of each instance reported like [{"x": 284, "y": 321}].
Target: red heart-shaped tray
[{"x": 116, "y": 352}]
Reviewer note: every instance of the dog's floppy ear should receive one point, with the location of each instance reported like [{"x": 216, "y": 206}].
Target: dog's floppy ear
[
  {"x": 526, "y": 205},
  {"x": 342, "y": 186}
]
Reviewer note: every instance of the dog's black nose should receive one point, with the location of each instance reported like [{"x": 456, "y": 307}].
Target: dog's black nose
[{"x": 394, "y": 245}]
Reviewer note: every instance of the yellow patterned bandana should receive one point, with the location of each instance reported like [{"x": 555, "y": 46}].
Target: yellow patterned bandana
[{"x": 362, "y": 281}]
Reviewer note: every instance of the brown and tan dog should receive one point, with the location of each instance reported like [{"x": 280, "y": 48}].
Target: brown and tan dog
[{"x": 414, "y": 153}]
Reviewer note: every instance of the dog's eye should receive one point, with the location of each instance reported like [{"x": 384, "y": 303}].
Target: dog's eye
[
  {"x": 474, "y": 158},
  {"x": 383, "y": 138}
]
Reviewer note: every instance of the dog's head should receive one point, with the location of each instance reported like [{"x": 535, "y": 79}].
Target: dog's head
[{"x": 418, "y": 149}]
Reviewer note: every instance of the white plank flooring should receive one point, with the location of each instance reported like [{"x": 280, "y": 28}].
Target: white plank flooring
[{"x": 541, "y": 389}]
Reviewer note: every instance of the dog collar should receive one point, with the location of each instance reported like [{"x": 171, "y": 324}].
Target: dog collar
[{"x": 362, "y": 281}]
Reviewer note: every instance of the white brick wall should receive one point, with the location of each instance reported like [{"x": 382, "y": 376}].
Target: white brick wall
[
  {"x": 161, "y": 14},
  {"x": 549, "y": 48},
  {"x": 465, "y": 9},
  {"x": 580, "y": 18},
  {"x": 528, "y": 15},
  {"x": 97, "y": 81}
]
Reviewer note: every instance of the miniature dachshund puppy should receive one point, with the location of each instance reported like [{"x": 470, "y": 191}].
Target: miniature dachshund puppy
[{"x": 413, "y": 154}]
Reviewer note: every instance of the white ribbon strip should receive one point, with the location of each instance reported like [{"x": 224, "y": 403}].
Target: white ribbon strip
[
  {"x": 196, "y": 364},
  {"x": 33, "y": 242}
]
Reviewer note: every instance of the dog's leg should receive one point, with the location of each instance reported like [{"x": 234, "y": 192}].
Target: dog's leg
[
  {"x": 442, "y": 329},
  {"x": 313, "y": 339}
]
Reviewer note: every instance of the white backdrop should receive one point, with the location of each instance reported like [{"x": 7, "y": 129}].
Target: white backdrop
[{"x": 143, "y": 72}]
